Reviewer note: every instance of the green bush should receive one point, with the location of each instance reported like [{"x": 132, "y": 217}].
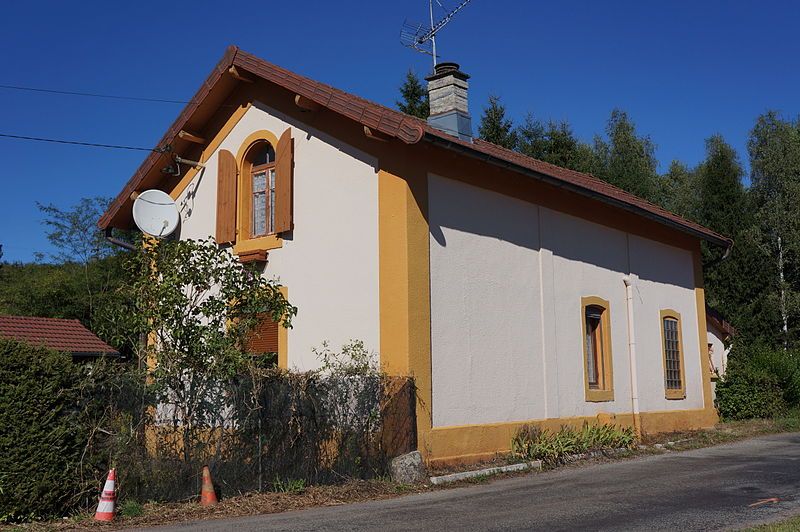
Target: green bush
[
  {"x": 533, "y": 443},
  {"x": 42, "y": 440},
  {"x": 760, "y": 383}
]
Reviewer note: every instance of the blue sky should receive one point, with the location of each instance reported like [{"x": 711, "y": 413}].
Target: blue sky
[{"x": 684, "y": 70}]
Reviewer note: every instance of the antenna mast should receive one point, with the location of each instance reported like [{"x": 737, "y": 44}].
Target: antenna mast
[{"x": 422, "y": 39}]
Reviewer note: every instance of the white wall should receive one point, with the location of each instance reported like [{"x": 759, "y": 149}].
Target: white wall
[
  {"x": 507, "y": 279},
  {"x": 720, "y": 352},
  {"x": 330, "y": 265},
  {"x": 484, "y": 306}
]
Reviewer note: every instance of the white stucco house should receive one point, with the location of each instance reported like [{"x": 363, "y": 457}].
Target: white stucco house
[{"x": 514, "y": 291}]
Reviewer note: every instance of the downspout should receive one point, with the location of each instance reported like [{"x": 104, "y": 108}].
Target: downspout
[
  {"x": 118, "y": 242},
  {"x": 637, "y": 425}
]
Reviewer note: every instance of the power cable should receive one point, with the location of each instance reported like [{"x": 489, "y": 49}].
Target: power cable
[
  {"x": 78, "y": 143},
  {"x": 92, "y": 94}
]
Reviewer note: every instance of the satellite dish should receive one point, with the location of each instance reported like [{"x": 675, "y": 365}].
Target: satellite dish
[{"x": 155, "y": 213}]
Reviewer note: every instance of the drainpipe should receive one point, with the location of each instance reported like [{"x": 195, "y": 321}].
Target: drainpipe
[
  {"x": 637, "y": 425},
  {"x": 118, "y": 242}
]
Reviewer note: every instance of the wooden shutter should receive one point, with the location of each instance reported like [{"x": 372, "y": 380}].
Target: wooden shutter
[
  {"x": 264, "y": 338},
  {"x": 284, "y": 175},
  {"x": 226, "y": 197}
]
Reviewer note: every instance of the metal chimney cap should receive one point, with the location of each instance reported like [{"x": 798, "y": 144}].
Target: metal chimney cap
[{"x": 447, "y": 69}]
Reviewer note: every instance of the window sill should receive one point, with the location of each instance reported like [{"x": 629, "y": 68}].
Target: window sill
[
  {"x": 263, "y": 243},
  {"x": 675, "y": 395},
  {"x": 599, "y": 396}
]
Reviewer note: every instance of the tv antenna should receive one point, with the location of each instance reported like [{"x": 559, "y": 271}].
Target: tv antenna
[{"x": 422, "y": 38}]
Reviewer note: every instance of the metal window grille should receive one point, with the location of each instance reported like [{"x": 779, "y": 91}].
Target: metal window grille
[{"x": 672, "y": 354}]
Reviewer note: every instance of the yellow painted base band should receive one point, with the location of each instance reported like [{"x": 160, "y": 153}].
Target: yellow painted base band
[{"x": 472, "y": 443}]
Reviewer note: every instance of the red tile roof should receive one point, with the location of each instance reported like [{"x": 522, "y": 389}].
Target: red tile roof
[
  {"x": 62, "y": 335},
  {"x": 409, "y": 130}
]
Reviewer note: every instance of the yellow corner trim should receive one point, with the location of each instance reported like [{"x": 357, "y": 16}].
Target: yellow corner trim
[{"x": 264, "y": 243}]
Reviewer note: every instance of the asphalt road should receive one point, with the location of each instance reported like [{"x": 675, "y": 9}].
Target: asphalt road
[{"x": 704, "y": 489}]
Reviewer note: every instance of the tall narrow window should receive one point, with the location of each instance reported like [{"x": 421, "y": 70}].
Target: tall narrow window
[
  {"x": 672, "y": 344},
  {"x": 597, "y": 349},
  {"x": 262, "y": 175},
  {"x": 594, "y": 345}
]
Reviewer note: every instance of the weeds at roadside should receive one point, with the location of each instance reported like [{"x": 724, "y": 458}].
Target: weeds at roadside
[
  {"x": 296, "y": 486},
  {"x": 131, "y": 508}
]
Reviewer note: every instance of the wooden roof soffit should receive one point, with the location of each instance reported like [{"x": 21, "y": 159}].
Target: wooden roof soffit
[
  {"x": 306, "y": 104},
  {"x": 375, "y": 135},
  {"x": 233, "y": 71},
  {"x": 185, "y": 135}
]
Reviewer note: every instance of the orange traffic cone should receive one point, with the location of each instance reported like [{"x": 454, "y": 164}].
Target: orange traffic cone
[
  {"x": 208, "y": 497},
  {"x": 108, "y": 498}
]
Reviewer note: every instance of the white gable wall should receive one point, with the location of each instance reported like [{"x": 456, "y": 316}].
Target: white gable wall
[
  {"x": 330, "y": 266},
  {"x": 507, "y": 278}
]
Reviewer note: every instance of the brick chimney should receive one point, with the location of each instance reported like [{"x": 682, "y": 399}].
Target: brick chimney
[{"x": 447, "y": 89}]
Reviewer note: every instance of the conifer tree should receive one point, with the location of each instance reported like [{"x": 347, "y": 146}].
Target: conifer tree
[
  {"x": 678, "y": 190},
  {"x": 414, "y": 97},
  {"x": 626, "y": 159},
  {"x": 495, "y": 127},
  {"x": 555, "y": 143}
]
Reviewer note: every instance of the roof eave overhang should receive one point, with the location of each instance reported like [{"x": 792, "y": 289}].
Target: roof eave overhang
[
  {"x": 392, "y": 124},
  {"x": 717, "y": 240}
]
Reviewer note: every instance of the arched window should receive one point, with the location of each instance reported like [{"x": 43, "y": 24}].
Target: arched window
[
  {"x": 262, "y": 189},
  {"x": 672, "y": 346},
  {"x": 597, "y": 349}
]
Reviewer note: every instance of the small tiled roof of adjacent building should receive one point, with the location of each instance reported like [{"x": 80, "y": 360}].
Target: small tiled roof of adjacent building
[
  {"x": 392, "y": 124},
  {"x": 62, "y": 335}
]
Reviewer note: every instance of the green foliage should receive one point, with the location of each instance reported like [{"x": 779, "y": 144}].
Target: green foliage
[
  {"x": 774, "y": 148},
  {"x": 626, "y": 159},
  {"x": 414, "y": 97},
  {"x": 289, "y": 485},
  {"x": 678, "y": 190},
  {"x": 131, "y": 508},
  {"x": 534, "y": 443},
  {"x": 760, "y": 382},
  {"x": 43, "y": 437},
  {"x": 74, "y": 232},
  {"x": 495, "y": 127},
  {"x": 555, "y": 143},
  {"x": 352, "y": 359},
  {"x": 197, "y": 303}
]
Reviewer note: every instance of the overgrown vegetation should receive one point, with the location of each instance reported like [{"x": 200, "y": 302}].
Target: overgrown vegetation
[
  {"x": 192, "y": 396},
  {"x": 532, "y": 442},
  {"x": 761, "y": 382}
]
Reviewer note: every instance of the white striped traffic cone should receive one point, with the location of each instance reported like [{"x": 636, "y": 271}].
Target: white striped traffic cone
[{"x": 108, "y": 499}]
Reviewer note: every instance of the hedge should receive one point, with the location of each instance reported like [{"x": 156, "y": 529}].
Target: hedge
[{"x": 42, "y": 439}]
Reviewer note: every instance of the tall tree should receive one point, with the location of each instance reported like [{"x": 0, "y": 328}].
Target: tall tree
[
  {"x": 720, "y": 188},
  {"x": 774, "y": 148},
  {"x": 627, "y": 160},
  {"x": 678, "y": 190},
  {"x": 721, "y": 205},
  {"x": 495, "y": 127},
  {"x": 555, "y": 143},
  {"x": 414, "y": 97}
]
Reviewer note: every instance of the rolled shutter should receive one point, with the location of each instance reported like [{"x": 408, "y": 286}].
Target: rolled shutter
[
  {"x": 226, "y": 197},
  {"x": 284, "y": 175},
  {"x": 264, "y": 338}
]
